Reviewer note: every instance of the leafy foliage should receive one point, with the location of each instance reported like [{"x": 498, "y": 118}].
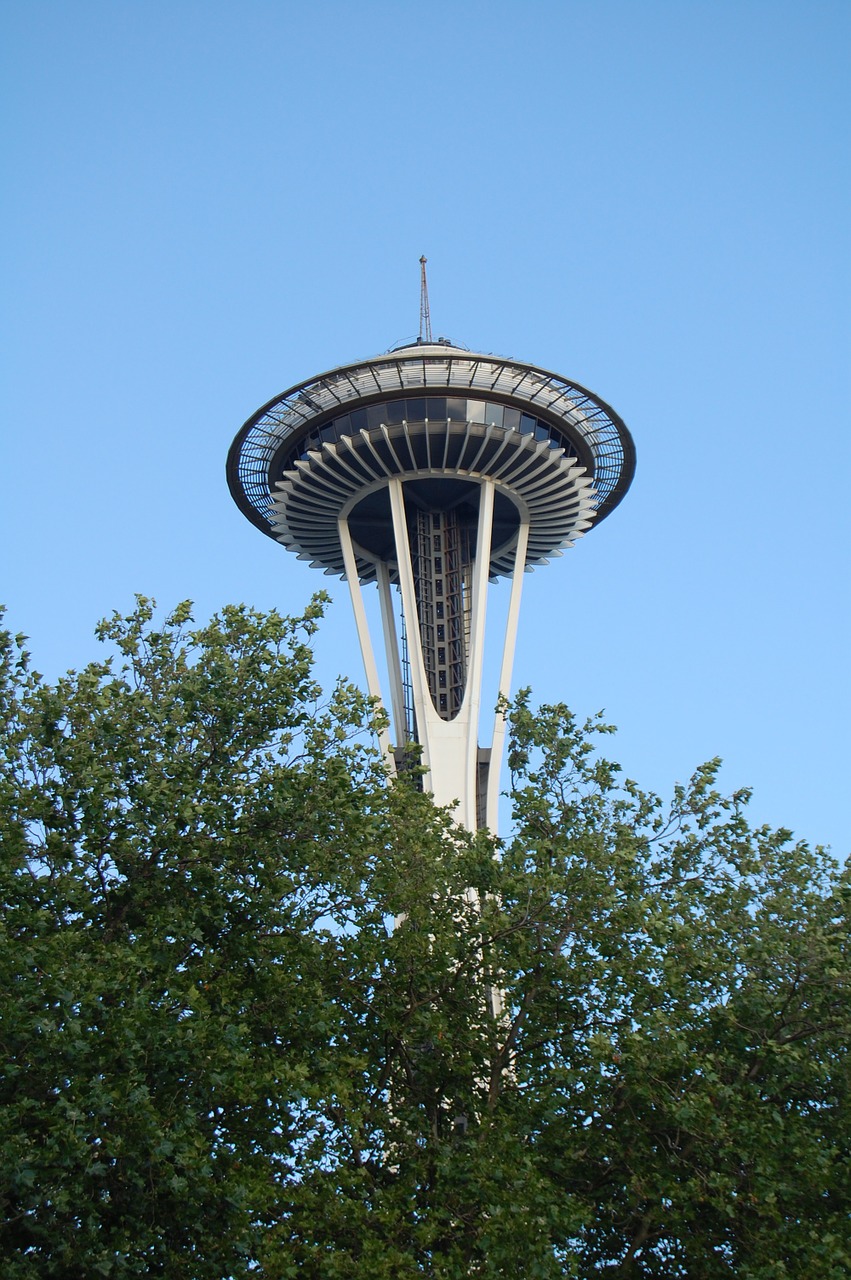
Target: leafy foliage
[{"x": 247, "y": 991}]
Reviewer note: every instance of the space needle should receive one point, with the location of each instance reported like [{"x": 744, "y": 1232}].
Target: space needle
[{"x": 431, "y": 471}]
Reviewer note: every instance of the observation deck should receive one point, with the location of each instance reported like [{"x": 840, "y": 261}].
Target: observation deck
[{"x": 435, "y": 415}]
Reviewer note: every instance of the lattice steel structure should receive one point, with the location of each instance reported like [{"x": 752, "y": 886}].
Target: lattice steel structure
[{"x": 433, "y": 469}]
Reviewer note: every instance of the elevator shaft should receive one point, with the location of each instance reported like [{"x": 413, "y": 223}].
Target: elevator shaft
[{"x": 440, "y": 556}]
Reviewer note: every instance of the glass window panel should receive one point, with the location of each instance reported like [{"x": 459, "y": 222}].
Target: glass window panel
[
  {"x": 376, "y": 415},
  {"x": 343, "y": 425},
  {"x": 395, "y": 410},
  {"x": 436, "y": 408},
  {"x": 527, "y": 424},
  {"x": 493, "y": 414},
  {"x": 357, "y": 417},
  {"x": 416, "y": 410},
  {"x": 511, "y": 419},
  {"x": 456, "y": 410},
  {"x": 476, "y": 410}
]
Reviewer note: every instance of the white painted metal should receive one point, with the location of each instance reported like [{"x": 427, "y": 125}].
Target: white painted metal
[
  {"x": 450, "y": 748},
  {"x": 372, "y": 681},
  {"x": 508, "y": 648},
  {"x": 328, "y": 482},
  {"x": 391, "y": 648},
  {"x": 471, "y": 704}
]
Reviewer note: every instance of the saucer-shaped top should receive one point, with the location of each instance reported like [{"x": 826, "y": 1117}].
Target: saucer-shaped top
[{"x": 430, "y": 410}]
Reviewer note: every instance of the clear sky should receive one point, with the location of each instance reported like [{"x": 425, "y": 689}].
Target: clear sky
[{"x": 209, "y": 201}]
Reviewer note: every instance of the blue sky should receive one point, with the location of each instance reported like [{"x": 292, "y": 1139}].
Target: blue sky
[{"x": 211, "y": 201}]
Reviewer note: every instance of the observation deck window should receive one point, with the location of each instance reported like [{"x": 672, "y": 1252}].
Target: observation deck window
[
  {"x": 417, "y": 409},
  {"x": 436, "y": 408}
]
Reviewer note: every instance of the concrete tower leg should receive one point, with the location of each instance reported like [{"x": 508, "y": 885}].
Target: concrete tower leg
[
  {"x": 449, "y": 747},
  {"x": 373, "y": 683},
  {"x": 460, "y": 771},
  {"x": 508, "y": 648}
]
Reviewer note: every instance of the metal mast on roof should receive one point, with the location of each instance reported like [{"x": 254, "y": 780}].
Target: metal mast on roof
[{"x": 425, "y": 317}]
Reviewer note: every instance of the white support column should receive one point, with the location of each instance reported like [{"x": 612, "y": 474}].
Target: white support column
[
  {"x": 475, "y": 663},
  {"x": 370, "y": 667},
  {"x": 391, "y": 645},
  {"x": 450, "y": 747},
  {"x": 422, "y": 697},
  {"x": 499, "y": 727}
]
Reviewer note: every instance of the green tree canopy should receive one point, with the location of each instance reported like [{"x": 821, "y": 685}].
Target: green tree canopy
[{"x": 247, "y": 990}]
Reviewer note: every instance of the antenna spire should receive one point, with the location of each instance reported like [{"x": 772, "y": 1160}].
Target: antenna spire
[{"x": 425, "y": 316}]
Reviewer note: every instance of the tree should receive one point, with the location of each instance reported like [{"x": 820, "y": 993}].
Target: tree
[{"x": 243, "y": 985}]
